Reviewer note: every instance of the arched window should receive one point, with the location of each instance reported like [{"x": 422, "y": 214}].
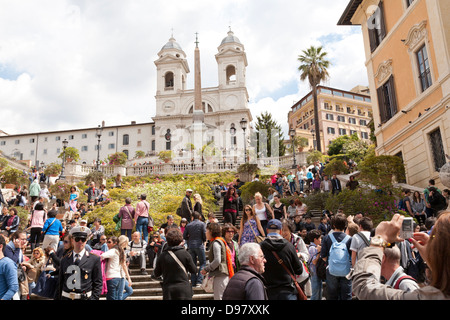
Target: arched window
[
  {"x": 231, "y": 74},
  {"x": 168, "y": 80},
  {"x": 126, "y": 140},
  {"x": 206, "y": 108}
]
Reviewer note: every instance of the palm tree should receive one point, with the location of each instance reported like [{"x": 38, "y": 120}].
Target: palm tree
[{"x": 314, "y": 68}]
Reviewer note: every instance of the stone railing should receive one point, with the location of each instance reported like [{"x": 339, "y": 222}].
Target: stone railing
[{"x": 78, "y": 171}]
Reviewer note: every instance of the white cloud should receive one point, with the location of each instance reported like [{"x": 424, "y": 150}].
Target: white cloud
[{"x": 81, "y": 62}]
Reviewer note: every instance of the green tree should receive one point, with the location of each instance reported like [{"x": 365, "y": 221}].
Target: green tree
[
  {"x": 314, "y": 67},
  {"x": 268, "y": 124},
  {"x": 337, "y": 146}
]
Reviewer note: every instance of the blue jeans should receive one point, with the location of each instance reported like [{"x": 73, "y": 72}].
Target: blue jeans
[
  {"x": 292, "y": 187},
  {"x": 141, "y": 226},
  {"x": 338, "y": 288},
  {"x": 316, "y": 288},
  {"x": 124, "y": 286},
  {"x": 113, "y": 288},
  {"x": 301, "y": 184},
  {"x": 197, "y": 253},
  {"x": 126, "y": 232}
]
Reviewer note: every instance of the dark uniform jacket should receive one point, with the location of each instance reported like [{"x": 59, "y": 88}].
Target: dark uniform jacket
[{"x": 90, "y": 277}]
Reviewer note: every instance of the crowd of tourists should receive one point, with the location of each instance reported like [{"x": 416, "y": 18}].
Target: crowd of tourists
[{"x": 260, "y": 250}]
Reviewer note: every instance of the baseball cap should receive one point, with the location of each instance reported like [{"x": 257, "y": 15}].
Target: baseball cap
[{"x": 274, "y": 224}]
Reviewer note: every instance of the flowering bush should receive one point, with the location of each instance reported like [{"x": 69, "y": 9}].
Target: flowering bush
[
  {"x": 164, "y": 194},
  {"x": 117, "y": 159},
  {"x": 60, "y": 190}
]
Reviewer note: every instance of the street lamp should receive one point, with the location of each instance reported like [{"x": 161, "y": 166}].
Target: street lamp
[
  {"x": 243, "y": 124},
  {"x": 314, "y": 141},
  {"x": 292, "y": 134},
  {"x": 62, "y": 176},
  {"x": 98, "y": 133}
]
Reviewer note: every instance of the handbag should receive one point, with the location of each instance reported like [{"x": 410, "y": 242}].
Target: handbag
[
  {"x": 305, "y": 274},
  {"x": 301, "y": 295},
  {"x": 208, "y": 283},
  {"x": 118, "y": 222},
  {"x": 21, "y": 275},
  {"x": 258, "y": 239}
]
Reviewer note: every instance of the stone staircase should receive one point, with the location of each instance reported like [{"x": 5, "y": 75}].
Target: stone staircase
[{"x": 144, "y": 287}]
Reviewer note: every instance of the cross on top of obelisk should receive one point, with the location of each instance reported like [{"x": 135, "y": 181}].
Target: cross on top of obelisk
[{"x": 196, "y": 39}]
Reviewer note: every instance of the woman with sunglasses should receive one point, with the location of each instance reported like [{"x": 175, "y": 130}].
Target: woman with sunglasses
[
  {"x": 250, "y": 226},
  {"x": 228, "y": 232}
]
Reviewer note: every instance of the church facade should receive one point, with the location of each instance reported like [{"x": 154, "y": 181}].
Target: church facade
[
  {"x": 222, "y": 110},
  {"x": 222, "y": 107}
]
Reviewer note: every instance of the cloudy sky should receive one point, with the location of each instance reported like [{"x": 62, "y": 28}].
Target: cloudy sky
[{"x": 68, "y": 64}]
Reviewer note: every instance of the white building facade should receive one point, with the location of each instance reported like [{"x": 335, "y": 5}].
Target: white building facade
[{"x": 224, "y": 107}]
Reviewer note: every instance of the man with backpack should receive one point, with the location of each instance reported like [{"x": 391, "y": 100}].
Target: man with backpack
[
  {"x": 362, "y": 238},
  {"x": 336, "y": 252},
  {"x": 137, "y": 251},
  {"x": 393, "y": 273}
]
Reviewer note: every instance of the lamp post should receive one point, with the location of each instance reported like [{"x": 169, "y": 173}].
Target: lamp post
[
  {"x": 314, "y": 141},
  {"x": 98, "y": 133},
  {"x": 62, "y": 176},
  {"x": 292, "y": 134},
  {"x": 243, "y": 124}
]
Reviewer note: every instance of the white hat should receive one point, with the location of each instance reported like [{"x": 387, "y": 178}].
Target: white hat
[
  {"x": 80, "y": 231},
  {"x": 189, "y": 190}
]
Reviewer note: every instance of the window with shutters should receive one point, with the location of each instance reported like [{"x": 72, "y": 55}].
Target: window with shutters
[
  {"x": 437, "y": 149},
  {"x": 387, "y": 101},
  {"x": 376, "y": 27},
  {"x": 424, "y": 68}
]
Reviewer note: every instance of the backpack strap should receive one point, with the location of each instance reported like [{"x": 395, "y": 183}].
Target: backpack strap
[
  {"x": 345, "y": 240},
  {"x": 399, "y": 280},
  {"x": 363, "y": 237},
  {"x": 333, "y": 239}
]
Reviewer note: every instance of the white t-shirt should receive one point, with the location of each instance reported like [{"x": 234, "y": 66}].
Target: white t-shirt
[{"x": 261, "y": 213}]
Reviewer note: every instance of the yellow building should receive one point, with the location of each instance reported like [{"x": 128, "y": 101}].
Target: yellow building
[
  {"x": 407, "y": 48},
  {"x": 340, "y": 113}
]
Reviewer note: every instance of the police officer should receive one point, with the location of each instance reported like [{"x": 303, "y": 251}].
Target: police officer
[{"x": 80, "y": 275}]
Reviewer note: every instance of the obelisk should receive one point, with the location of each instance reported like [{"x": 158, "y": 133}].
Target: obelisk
[
  {"x": 198, "y": 127},
  {"x": 198, "y": 107}
]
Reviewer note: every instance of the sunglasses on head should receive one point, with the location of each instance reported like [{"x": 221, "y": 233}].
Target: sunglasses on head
[{"x": 77, "y": 239}]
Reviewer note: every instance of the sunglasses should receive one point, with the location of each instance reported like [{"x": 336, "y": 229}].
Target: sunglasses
[{"x": 77, "y": 239}]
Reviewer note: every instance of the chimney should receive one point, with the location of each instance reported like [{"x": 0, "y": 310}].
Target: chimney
[{"x": 133, "y": 122}]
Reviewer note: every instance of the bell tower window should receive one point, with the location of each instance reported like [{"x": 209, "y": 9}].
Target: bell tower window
[
  {"x": 231, "y": 74},
  {"x": 168, "y": 80}
]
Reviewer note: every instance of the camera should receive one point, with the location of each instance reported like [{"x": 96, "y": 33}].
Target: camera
[{"x": 407, "y": 228}]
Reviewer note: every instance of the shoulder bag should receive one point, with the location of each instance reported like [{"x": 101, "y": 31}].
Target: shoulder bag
[
  {"x": 301, "y": 295},
  {"x": 258, "y": 239}
]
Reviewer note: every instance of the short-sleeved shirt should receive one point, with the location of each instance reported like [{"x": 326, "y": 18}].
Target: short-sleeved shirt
[{"x": 357, "y": 243}]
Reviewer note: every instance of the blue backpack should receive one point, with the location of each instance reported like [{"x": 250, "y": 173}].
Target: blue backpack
[{"x": 339, "y": 258}]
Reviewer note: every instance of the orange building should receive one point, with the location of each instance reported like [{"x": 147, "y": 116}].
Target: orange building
[
  {"x": 407, "y": 48},
  {"x": 340, "y": 113}
]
